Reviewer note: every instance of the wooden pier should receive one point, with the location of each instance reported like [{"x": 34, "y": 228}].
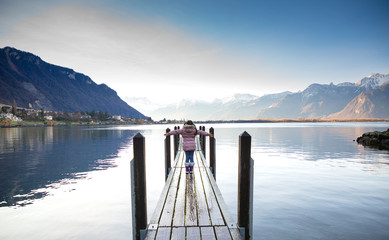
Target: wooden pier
[{"x": 190, "y": 205}]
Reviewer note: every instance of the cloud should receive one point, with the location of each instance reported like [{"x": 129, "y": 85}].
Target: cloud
[{"x": 135, "y": 57}]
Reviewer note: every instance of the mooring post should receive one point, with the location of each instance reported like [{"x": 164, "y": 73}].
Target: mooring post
[
  {"x": 201, "y": 139},
  {"x": 245, "y": 186},
  {"x": 203, "y": 143},
  {"x": 212, "y": 153},
  {"x": 175, "y": 140},
  {"x": 167, "y": 155},
  {"x": 138, "y": 188}
]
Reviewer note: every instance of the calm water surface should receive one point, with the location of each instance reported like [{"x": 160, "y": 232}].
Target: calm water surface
[{"x": 312, "y": 181}]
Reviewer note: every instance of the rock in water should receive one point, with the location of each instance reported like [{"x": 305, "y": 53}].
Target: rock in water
[{"x": 375, "y": 139}]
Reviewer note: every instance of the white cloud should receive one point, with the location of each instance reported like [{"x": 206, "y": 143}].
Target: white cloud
[{"x": 136, "y": 58}]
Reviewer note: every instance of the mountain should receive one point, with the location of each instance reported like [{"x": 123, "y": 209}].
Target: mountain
[
  {"x": 322, "y": 100},
  {"x": 318, "y": 100},
  {"x": 143, "y": 103},
  {"x": 373, "y": 81},
  {"x": 369, "y": 104},
  {"x": 367, "y": 98},
  {"x": 34, "y": 83},
  {"x": 237, "y": 107}
]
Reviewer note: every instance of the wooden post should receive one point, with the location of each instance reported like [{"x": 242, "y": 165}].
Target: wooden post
[
  {"x": 201, "y": 139},
  {"x": 212, "y": 153},
  {"x": 175, "y": 140},
  {"x": 245, "y": 185},
  {"x": 167, "y": 155},
  {"x": 138, "y": 188},
  {"x": 203, "y": 143}
]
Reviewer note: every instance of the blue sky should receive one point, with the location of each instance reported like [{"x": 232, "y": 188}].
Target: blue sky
[{"x": 170, "y": 50}]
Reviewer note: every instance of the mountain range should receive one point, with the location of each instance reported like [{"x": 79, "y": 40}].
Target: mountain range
[
  {"x": 367, "y": 98},
  {"x": 34, "y": 83}
]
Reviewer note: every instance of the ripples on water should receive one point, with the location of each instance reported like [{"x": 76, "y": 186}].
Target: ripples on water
[{"x": 312, "y": 181}]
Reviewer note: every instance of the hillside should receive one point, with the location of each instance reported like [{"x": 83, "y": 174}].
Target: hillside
[
  {"x": 324, "y": 100},
  {"x": 34, "y": 83},
  {"x": 369, "y": 104},
  {"x": 316, "y": 101}
]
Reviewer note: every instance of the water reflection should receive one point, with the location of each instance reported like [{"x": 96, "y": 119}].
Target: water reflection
[
  {"x": 35, "y": 158},
  {"x": 312, "y": 142},
  {"x": 312, "y": 181}
]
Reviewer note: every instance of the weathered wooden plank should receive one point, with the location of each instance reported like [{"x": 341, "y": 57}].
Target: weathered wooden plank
[
  {"x": 235, "y": 233},
  {"x": 193, "y": 233},
  {"x": 151, "y": 234},
  {"x": 178, "y": 233},
  {"x": 222, "y": 233},
  {"x": 213, "y": 207},
  {"x": 207, "y": 233},
  {"x": 161, "y": 201},
  {"x": 202, "y": 207},
  {"x": 179, "y": 209},
  {"x": 191, "y": 206},
  {"x": 163, "y": 233},
  {"x": 196, "y": 201},
  {"x": 179, "y": 159},
  {"x": 233, "y": 227},
  {"x": 168, "y": 210}
]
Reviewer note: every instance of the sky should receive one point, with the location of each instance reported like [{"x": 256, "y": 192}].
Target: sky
[{"x": 167, "y": 51}]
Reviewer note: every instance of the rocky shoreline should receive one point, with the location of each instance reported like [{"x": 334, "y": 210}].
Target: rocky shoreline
[{"x": 375, "y": 139}]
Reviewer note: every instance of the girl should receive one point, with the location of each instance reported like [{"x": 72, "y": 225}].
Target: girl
[{"x": 189, "y": 133}]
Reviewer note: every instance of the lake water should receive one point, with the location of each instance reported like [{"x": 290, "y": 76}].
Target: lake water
[{"x": 311, "y": 180}]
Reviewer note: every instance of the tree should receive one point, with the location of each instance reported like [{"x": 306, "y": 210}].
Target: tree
[
  {"x": 106, "y": 116},
  {"x": 14, "y": 108},
  {"x": 92, "y": 114},
  {"x": 77, "y": 116},
  {"x": 100, "y": 115},
  {"x": 42, "y": 114}
]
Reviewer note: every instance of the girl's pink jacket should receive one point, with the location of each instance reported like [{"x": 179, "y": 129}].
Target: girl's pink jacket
[{"x": 188, "y": 135}]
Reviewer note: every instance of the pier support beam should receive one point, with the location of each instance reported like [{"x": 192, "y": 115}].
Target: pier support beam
[
  {"x": 167, "y": 155},
  {"x": 212, "y": 152},
  {"x": 175, "y": 140},
  {"x": 138, "y": 188},
  {"x": 245, "y": 186},
  {"x": 203, "y": 141}
]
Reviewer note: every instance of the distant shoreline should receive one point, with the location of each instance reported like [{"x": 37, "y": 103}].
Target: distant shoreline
[
  {"x": 297, "y": 120},
  {"x": 42, "y": 124},
  {"x": 60, "y": 124}
]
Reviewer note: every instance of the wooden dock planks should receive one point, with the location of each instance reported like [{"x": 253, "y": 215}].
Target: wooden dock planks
[
  {"x": 213, "y": 207},
  {"x": 202, "y": 207},
  {"x": 179, "y": 208},
  {"x": 168, "y": 210},
  {"x": 191, "y": 206},
  {"x": 191, "y": 203}
]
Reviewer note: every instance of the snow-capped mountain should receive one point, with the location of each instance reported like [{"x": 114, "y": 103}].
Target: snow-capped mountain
[
  {"x": 316, "y": 101},
  {"x": 236, "y": 107},
  {"x": 143, "y": 103},
  {"x": 237, "y": 98},
  {"x": 373, "y": 81},
  {"x": 322, "y": 100}
]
